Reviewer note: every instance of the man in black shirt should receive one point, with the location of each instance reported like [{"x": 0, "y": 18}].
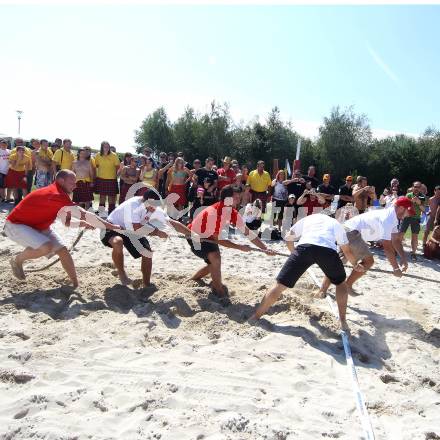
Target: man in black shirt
[
  {"x": 311, "y": 176},
  {"x": 345, "y": 192},
  {"x": 326, "y": 190},
  {"x": 207, "y": 173}
]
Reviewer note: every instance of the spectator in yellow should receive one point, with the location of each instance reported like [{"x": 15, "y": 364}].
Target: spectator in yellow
[
  {"x": 63, "y": 158},
  {"x": 106, "y": 184},
  {"x": 43, "y": 165},
  {"x": 19, "y": 164},
  {"x": 259, "y": 181}
]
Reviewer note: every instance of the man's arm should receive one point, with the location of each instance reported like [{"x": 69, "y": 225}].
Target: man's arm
[
  {"x": 302, "y": 198},
  {"x": 396, "y": 241}
]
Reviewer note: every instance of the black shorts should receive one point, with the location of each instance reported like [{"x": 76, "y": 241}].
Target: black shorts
[
  {"x": 128, "y": 242},
  {"x": 204, "y": 249},
  {"x": 280, "y": 204},
  {"x": 305, "y": 256},
  {"x": 2, "y": 180}
]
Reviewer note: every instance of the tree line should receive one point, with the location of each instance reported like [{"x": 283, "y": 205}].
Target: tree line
[{"x": 345, "y": 144}]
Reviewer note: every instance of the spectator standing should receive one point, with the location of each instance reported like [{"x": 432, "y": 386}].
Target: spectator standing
[
  {"x": 311, "y": 200},
  {"x": 345, "y": 192},
  {"x": 434, "y": 210},
  {"x": 311, "y": 176},
  {"x": 148, "y": 175},
  {"x": 296, "y": 186},
  {"x": 279, "y": 196},
  {"x": 418, "y": 200},
  {"x": 177, "y": 178},
  {"x": 244, "y": 174},
  {"x": 106, "y": 183},
  {"x": 4, "y": 166},
  {"x": 182, "y": 156},
  {"x": 129, "y": 176},
  {"x": 226, "y": 175},
  {"x": 56, "y": 145},
  {"x": 326, "y": 190},
  {"x": 35, "y": 147},
  {"x": 363, "y": 194},
  {"x": 246, "y": 195},
  {"x": 19, "y": 164},
  {"x": 85, "y": 174},
  {"x": 207, "y": 172},
  {"x": 148, "y": 154},
  {"x": 43, "y": 165},
  {"x": 260, "y": 182},
  {"x": 63, "y": 158}
]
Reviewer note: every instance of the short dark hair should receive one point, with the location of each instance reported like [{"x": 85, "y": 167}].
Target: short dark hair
[
  {"x": 150, "y": 194},
  {"x": 66, "y": 140},
  {"x": 209, "y": 159},
  {"x": 44, "y": 140},
  {"x": 227, "y": 191}
]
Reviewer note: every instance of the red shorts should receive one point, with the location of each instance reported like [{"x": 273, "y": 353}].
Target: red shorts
[
  {"x": 14, "y": 179},
  {"x": 180, "y": 190}
]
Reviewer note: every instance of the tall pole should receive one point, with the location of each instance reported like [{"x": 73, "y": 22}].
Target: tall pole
[{"x": 19, "y": 113}]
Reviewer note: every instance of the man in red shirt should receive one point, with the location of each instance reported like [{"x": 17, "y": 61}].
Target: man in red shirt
[
  {"x": 226, "y": 175},
  {"x": 213, "y": 224},
  {"x": 29, "y": 224}
]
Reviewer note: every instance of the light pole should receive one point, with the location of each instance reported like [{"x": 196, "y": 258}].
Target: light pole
[{"x": 19, "y": 113}]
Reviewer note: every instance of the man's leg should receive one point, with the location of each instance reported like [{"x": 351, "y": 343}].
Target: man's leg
[
  {"x": 68, "y": 265},
  {"x": 203, "y": 272},
  {"x": 216, "y": 273},
  {"x": 146, "y": 266},
  {"x": 341, "y": 300},
  {"x": 414, "y": 242},
  {"x": 367, "y": 262},
  {"x": 117, "y": 244},
  {"x": 270, "y": 298},
  {"x": 28, "y": 254}
]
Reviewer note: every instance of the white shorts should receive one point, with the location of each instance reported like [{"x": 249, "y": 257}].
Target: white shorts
[{"x": 29, "y": 237}]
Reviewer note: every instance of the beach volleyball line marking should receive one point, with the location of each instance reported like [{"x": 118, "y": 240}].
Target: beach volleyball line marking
[{"x": 360, "y": 403}]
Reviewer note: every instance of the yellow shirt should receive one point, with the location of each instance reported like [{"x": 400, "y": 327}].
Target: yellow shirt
[
  {"x": 107, "y": 165},
  {"x": 64, "y": 159},
  {"x": 21, "y": 164},
  {"x": 27, "y": 151},
  {"x": 259, "y": 182},
  {"x": 45, "y": 154}
]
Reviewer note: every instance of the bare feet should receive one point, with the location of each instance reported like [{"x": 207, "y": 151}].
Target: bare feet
[
  {"x": 352, "y": 292},
  {"x": 125, "y": 281},
  {"x": 345, "y": 327},
  {"x": 17, "y": 269},
  {"x": 319, "y": 294}
]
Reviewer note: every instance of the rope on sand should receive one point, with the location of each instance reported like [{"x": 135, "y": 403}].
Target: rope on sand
[
  {"x": 40, "y": 269},
  {"x": 360, "y": 403}
]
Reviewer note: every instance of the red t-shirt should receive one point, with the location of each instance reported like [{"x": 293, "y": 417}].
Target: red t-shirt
[
  {"x": 310, "y": 204},
  {"x": 214, "y": 219},
  {"x": 229, "y": 173},
  {"x": 39, "y": 209}
]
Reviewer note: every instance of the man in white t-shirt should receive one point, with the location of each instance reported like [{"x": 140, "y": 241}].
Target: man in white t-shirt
[
  {"x": 318, "y": 236},
  {"x": 4, "y": 166},
  {"x": 138, "y": 216},
  {"x": 376, "y": 225}
]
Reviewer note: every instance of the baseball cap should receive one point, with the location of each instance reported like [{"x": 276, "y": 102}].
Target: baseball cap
[
  {"x": 292, "y": 196},
  {"x": 349, "y": 178},
  {"x": 227, "y": 159},
  {"x": 406, "y": 203},
  {"x": 326, "y": 177}
]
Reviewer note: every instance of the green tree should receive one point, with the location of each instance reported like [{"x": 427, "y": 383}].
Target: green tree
[{"x": 155, "y": 132}]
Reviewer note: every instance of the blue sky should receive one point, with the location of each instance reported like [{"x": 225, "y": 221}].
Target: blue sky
[{"x": 94, "y": 72}]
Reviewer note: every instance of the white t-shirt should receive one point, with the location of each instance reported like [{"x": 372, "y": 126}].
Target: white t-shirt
[
  {"x": 4, "y": 160},
  {"x": 133, "y": 210},
  {"x": 251, "y": 213},
  {"x": 320, "y": 230},
  {"x": 375, "y": 225}
]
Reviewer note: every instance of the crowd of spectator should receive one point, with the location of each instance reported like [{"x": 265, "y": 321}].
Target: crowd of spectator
[{"x": 197, "y": 185}]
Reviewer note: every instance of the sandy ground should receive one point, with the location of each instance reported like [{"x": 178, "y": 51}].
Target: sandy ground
[{"x": 171, "y": 362}]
